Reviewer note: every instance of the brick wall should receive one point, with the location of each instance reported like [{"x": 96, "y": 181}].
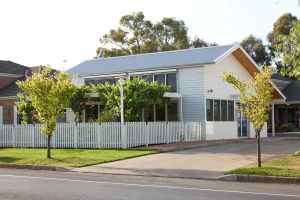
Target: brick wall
[{"x": 8, "y": 110}]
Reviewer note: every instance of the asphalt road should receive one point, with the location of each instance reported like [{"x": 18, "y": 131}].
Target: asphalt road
[{"x": 20, "y": 184}]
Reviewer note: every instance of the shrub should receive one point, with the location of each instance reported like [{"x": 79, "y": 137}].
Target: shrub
[
  {"x": 286, "y": 127},
  {"x": 107, "y": 116}
]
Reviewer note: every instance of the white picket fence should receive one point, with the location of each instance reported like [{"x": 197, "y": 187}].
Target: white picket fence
[{"x": 104, "y": 135}]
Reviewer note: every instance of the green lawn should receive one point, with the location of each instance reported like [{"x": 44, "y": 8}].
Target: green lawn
[
  {"x": 287, "y": 166},
  {"x": 66, "y": 157}
]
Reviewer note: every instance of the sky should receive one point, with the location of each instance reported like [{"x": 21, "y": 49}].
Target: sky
[{"x": 42, "y": 32}]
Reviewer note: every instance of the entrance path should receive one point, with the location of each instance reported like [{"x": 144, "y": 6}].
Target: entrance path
[{"x": 206, "y": 163}]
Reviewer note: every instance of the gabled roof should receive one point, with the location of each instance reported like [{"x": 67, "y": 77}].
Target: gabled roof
[
  {"x": 291, "y": 87},
  {"x": 8, "y": 67},
  {"x": 11, "y": 90},
  {"x": 186, "y": 57}
]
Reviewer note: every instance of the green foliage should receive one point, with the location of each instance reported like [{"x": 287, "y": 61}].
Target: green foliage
[
  {"x": 137, "y": 35},
  {"x": 286, "y": 127},
  {"x": 49, "y": 93},
  {"x": 67, "y": 157},
  {"x": 107, "y": 116},
  {"x": 255, "y": 96},
  {"x": 257, "y": 50},
  {"x": 138, "y": 94},
  {"x": 78, "y": 100},
  {"x": 282, "y": 26},
  {"x": 26, "y": 110},
  {"x": 288, "y": 49}
]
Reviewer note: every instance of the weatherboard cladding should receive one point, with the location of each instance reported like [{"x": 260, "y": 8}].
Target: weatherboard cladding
[
  {"x": 191, "y": 87},
  {"x": 148, "y": 61}
]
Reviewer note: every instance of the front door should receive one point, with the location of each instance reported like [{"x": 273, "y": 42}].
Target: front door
[{"x": 243, "y": 125}]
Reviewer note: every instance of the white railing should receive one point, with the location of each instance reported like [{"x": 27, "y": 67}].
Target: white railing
[{"x": 104, "y": 135}]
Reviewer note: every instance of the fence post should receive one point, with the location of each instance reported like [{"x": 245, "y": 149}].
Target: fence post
[
  {"x": 75, "y": 137},
  {"x": 13, "y": 136},
  {"x": 185, "y": 132},
  {"x": 147, "y": 135},
  {"x": 124, "y": 136},
  {"x": 98, "y": 135},
  {"x": 167, "y": 134},
  {"x": 32, "y": 137}
]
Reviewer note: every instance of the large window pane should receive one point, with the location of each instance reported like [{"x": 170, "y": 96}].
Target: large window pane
[
  {"x": 173, "y": 111},
  {"x": 230, "y": 110},
  {"x": 217, "y": 110},
  {"x": 160, "y": 78},
  {"x": 160, "y": 112},
  {"x": 209, "y": 110},
  {"x": 148, "y": 78},
  {"x": 172, "y": 81},
  {"x": 223, "y": 110}
]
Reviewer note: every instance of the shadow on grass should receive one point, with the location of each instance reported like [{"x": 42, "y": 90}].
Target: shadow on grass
[{"x": 9, "y": 159}]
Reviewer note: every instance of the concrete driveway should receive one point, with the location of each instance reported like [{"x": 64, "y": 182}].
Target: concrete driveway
[{"x": 206, "y": 163}]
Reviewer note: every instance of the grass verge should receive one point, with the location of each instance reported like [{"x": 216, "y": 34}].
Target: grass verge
[
  {"x": 67, "y": 157},
  {"x": 287, "y": 166}
]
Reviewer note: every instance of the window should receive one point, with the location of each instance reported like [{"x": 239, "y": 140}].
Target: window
[
  {"x": 160, "y": 78},
  {"x": 224, "y": 110},
  {"x": 217, "y": 110},
  {"x": 160, "y": 112},
  {"x": 99, "y": 80},
  {"x": 172, "y": 111},
  {"x": 148, "y": 78},
  {"x": 172, "y": 81},
  {"x": 230, "y": 110},
  {"x": 209, "y": 110}
]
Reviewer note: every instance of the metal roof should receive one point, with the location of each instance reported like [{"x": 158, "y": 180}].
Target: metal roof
[{"x": 148, "y": 61}]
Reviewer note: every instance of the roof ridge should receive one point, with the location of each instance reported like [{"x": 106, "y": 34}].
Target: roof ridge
[{"x": 162, "y": 52}]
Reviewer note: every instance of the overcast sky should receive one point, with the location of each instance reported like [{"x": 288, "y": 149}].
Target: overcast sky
[{"x": 41, "y": 32}]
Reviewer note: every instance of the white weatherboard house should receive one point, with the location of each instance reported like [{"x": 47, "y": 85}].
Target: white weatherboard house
[{"x": 198, "y": 92}]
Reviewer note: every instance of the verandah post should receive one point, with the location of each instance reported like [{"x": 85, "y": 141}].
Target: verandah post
[{"x": 124, "y": 136}]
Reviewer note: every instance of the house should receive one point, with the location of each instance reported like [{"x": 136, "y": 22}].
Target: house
[
  {"x": 198, "y": 92},
  {"x": 10, "y": 73},
  {"x": 287, "y": 113}
]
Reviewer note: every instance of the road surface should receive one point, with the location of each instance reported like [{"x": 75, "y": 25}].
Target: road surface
[{"x": 25, "y": 184}]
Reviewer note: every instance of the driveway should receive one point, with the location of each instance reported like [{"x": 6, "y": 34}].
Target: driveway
[{"x": 206, "y": 163}]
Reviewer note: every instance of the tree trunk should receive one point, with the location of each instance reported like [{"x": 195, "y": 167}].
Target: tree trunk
[
  {"x": 48, "y": 147},
  {"x": 258, "y": 149}
]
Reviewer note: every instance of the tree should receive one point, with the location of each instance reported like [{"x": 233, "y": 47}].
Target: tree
[
  {"x": 138, "y": 94},
  {"x": 288, "y": 49},
  {"x": 255, "y": 97},
  {"x": 25, "y": 109},
  {"x": 137, "y": 35},
  {"x": 282, "y": 26},
  {"x": 78, "y": 101},
  {"x": 257, "y": 50},
  {"x": 49, "y": 93},
  {"x": 198, "y": 43}
]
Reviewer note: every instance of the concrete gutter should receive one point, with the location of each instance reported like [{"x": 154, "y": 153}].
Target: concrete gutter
[
  {"x": 36, "y": 167},
  {"x": 260, "y": 179}
]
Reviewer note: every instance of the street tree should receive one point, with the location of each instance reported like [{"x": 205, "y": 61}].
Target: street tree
[
  {"x": 257, "y": 50},
  {"x": 255, "y": 97},
  {"x": 49, "y": 93}
]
